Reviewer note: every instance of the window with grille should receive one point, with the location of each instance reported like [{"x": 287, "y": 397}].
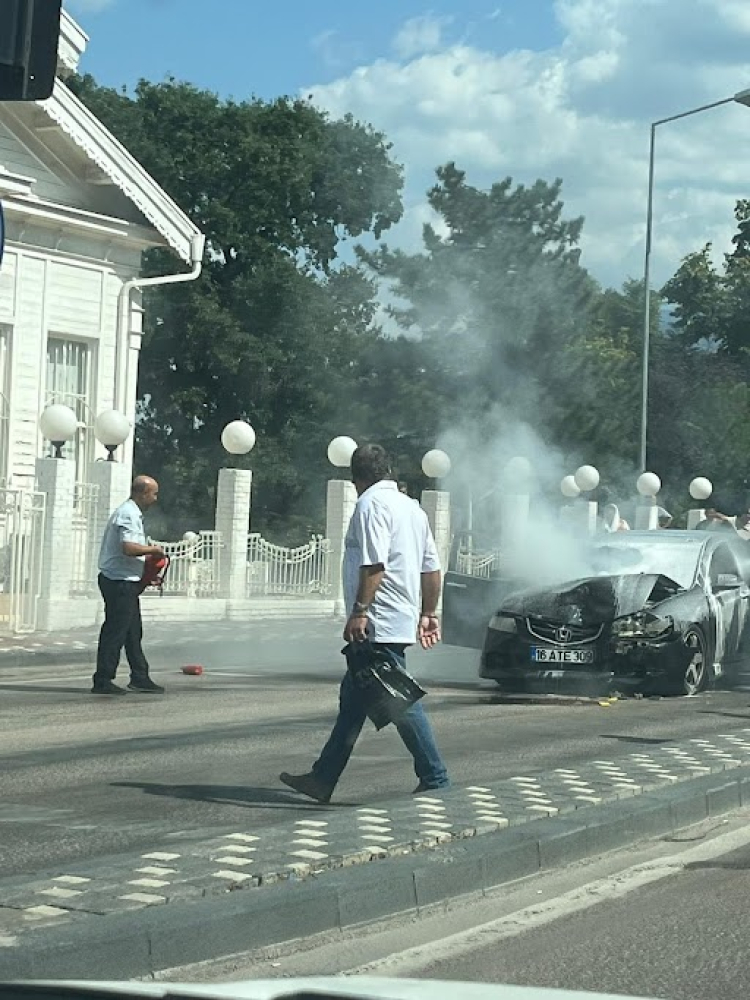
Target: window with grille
[
  {"x": 5, "y": 336},
  {"x": 70, "y": 382}
]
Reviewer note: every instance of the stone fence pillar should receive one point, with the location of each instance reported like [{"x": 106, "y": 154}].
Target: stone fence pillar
[
  {"x": 113, "y": 482},
  {"x": 581, "y": 516},
  {"x": 341, "y": 498},
  {"x": 646, "y": 517},
  {"x": 56, "y": 478},
  {"x": 233, "y": 523},
  {"x": 437, "y": 506},
  {"x": 695, "y": 516}
]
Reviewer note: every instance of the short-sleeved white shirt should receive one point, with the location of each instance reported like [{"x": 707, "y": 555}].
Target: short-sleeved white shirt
[
  {"x": 388, "y": 527},
  {"x": 125, "y": 525}
]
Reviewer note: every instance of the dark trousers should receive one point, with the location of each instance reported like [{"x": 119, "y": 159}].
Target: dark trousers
[
  {"x": 413, "y": 727},
  {"x": 122, "y": 627}
]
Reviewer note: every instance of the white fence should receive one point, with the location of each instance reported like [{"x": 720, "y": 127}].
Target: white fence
[
  {"x": 85, "y": 543},
  {"x": 485, "y": 564},
  {"x": 275, "y": 570},
  {"x": 194, "y": 565},
  {"x": 21, "y": 547}
]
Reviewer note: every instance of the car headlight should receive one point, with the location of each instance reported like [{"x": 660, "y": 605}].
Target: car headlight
[
  {"x": 502, "y": 623},
  {"x": 642, "y": 625}
]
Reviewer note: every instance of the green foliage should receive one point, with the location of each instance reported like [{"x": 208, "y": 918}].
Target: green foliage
[
  {"x": 494, "y": 315},
  {"x": 275, "y": 326}
]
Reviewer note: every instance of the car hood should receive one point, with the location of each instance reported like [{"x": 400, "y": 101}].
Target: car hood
[{"x": 589, "y": 601}]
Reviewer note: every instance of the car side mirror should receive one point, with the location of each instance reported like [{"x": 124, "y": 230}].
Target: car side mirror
[{"x": 728, "y": 581}]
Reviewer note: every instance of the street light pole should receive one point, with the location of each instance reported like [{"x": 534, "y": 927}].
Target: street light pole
[{"x": 742, "y": 97}]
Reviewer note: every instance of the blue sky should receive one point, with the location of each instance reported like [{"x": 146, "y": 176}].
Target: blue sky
[
  {"x": 521, "y": 88},
  {"x": 270, "y": 49}
]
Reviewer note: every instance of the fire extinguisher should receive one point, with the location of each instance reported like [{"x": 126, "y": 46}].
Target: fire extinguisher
[{"x": 154, "y": 572}]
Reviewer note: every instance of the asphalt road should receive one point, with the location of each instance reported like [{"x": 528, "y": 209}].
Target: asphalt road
[
  {"x": 662, "y": 919},
  {"x": 83, "y": 777},
  {"x": 684, "y": 936}
]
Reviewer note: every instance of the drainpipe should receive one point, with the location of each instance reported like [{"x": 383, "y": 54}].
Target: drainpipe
[{"x": 123, "y": 334}]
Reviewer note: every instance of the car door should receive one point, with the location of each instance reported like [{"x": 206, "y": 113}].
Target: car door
[
  {"x": 728, "y": 600},
  {"x": 473, "y": 589}
]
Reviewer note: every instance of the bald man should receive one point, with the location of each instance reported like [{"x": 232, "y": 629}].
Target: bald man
[{"x": 121, "y": 563}]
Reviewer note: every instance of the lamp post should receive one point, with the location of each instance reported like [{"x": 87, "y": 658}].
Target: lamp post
[
  {"x": 586, "y": 479},
  {"x": 111, "y": 429},
  {"x": 700, "y": 489},
  {"x": 341, "y": 498},
  {"x": 436, "y": 464},
  {"x": 58, "y": 424},
  {"x": 742, "y": 97},
  {"x": 233, "y": 496},
  {"x": 647, "y": 514},
  {"x": 340, "y": 451},
  {"x": 238, "y": 438}
]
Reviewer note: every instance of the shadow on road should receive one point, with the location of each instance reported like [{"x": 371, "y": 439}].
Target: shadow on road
[
  {"x": 230, "y": 795},
  {"x": 56, "y": 689},
  {"x": 726, "y": 715},
  {"x": 645, "y": 740}
]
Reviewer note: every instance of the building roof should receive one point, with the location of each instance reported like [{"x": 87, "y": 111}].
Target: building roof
[
  {"x": 109, "y": 156},
  {"x": 124, "y": 171}
]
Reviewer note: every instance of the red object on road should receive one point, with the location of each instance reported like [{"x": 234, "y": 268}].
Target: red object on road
[{"x": 194, "y": 670}]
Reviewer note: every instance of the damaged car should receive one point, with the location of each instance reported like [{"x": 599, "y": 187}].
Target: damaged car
[{"x": 660, "y": 612}]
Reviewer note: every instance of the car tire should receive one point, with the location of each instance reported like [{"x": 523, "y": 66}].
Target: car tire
[
  {"x": 698, "y": 672},
  {"x": 692, "y": 681}
]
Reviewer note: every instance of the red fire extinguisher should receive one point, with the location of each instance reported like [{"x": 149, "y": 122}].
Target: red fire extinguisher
[{"x": 154, "y": 572}]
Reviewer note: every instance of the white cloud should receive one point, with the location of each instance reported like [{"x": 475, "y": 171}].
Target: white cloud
[
  {"x": 580, "y": 111},
  {"x": 334, "y": 50},
  {"x": 418, "y": 35}
]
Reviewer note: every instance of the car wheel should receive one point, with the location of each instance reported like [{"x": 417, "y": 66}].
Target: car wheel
[{"x": 697, "y": 671}]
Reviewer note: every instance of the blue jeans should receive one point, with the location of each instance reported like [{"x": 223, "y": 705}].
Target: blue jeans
[{"x": 413, "y": 727}]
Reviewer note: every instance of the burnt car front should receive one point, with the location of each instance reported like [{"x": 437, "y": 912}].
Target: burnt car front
[{"x": 625, "y": 629}]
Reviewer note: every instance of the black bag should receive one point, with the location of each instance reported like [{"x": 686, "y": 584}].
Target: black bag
[{"x": 386, "y": 688}]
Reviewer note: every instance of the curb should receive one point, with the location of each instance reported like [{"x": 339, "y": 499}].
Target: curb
[{"x": 147, "y": 942}]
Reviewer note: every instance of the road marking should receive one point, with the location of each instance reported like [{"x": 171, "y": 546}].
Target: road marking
[{"x": 613, "y": 887}]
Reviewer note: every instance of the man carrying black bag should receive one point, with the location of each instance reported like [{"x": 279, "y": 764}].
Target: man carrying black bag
[{"x": 392, "y": 587}]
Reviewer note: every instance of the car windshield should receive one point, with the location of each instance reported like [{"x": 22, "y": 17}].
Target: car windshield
[{"x": 678, "y": 562}]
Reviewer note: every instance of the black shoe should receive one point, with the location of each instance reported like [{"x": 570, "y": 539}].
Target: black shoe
[
  {"x": 107, "y": 687},
  {"x": 145, "y": 687},
  {"x": 421, "y": 787},
  {"x": 307, "y": 784}
]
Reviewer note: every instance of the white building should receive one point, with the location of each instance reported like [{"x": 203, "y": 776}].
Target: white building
[{"x": 79, "y": 212}]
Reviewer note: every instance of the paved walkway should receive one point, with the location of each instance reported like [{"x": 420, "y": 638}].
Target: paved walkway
[
  {"x": 186, "y": 867},
  {"x": 79, "y": 645}
]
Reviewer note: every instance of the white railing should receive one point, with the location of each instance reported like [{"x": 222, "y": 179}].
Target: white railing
[
  {"x": 21, "y": 546},
  {"x": 85, "y": 543},
  {"x": 484, "y": 564},
  {"x": 274, "y": 570},
  {"x": 193, "y": 567}
]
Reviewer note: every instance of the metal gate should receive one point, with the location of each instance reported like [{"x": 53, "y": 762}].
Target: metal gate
[{"x": 21, "y": 548}]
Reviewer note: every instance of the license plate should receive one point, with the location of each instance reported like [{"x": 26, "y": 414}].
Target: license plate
[{"x": 540, "y": 654}]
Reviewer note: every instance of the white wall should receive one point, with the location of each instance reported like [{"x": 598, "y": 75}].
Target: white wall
[{"x": 43, "y": 294}]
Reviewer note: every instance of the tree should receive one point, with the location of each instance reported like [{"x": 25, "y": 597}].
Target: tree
[
  {"x": 273, "y": 328},
  {"x": 494, "y": 300}
]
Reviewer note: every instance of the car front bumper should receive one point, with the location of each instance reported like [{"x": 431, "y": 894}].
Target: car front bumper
[{"x": 630, "y": 665}]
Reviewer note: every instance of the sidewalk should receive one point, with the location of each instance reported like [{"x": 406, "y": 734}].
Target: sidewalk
[
  {"x": 665, "y": 789},
  {"x": 79, "y": 645}
]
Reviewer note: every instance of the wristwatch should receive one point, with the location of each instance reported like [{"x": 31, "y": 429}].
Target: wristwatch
[{"x": 360, "y": 609}]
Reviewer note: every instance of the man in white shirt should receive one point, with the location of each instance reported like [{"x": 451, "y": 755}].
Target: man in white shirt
[
  {"x": 122, "y": 559},
  {"x": 392, "y": 588}
]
